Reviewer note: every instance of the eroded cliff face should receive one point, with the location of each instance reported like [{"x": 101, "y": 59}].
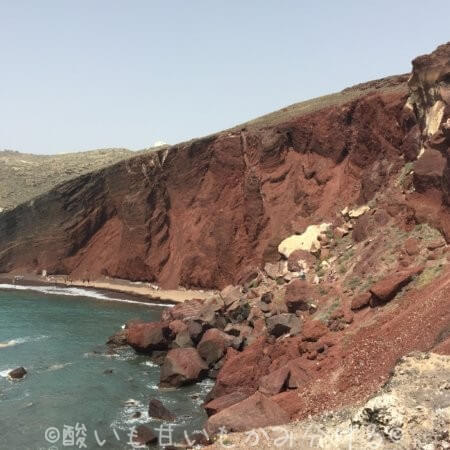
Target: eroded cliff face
[
  {"x": 206, "y": 212},
  {"x": 430, "y": 103}
]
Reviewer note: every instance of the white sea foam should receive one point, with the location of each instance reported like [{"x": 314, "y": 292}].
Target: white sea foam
[
  {"x": 149, "y": 364},
  {"x": 22, "y": 340},
  {"x": 76, "y": 292},
  {"x": 58, "y": 366},
  {"x": 4, "y": 373}
]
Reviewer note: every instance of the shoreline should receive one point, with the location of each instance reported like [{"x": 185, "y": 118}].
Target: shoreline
[{"x": 138, "y": 291}]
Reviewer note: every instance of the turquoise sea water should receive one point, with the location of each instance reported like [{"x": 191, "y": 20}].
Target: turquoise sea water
[{"x": 59, "y": 340}]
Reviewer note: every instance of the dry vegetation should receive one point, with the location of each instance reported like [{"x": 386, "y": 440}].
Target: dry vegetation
[{"x": 24, "y": 176}]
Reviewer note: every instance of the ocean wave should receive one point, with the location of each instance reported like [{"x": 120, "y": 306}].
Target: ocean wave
[
  {"x": 58, "y": 366},
  {"x": 22, "y": 340},
  {"x": 76, "y": 292},
  {"x": 4, "y": 373}
]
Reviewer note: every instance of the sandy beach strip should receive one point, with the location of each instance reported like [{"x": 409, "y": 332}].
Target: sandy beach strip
[{"x": 140, "y": 290}]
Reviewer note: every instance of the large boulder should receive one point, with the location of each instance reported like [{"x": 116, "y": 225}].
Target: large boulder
[
  {"x": 299, "y": 295},
  {"x": 182, "y": 366},
  {"x": 283, "y": 324},
  {"x": 149, "y": 336},
  {"x": 213, "y": 345},
  {"x": 299, "y": 373},
  {"x": 275, "y": 382},
  {"x": 225, "y": 401},
  {"x": 242, "y": 371},
  {"x": 361, "y": 301},
  {"x": 387, "y": 288},
  {"x": 183, "y": 311},
  {"x": 156, "y": 410},
  {"x": 313, "y": 330},
  {"x": 309, "y": 240},
  {"x": 428, "y": 170},
  {"x": 254, "y": 412}
]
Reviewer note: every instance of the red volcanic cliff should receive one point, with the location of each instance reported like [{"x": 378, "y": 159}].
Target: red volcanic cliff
[{"x": 204, "y": 213}]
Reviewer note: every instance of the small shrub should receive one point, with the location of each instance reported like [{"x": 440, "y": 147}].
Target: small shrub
[{"x": 428, "y": 275}]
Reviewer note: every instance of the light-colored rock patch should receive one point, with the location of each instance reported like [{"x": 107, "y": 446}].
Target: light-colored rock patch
[
  {"x": 309, "y": 240},
  {"x": 358, "y": 212}
]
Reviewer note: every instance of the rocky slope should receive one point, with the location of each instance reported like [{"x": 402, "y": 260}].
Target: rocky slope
[{"x": 411, "y": 411}]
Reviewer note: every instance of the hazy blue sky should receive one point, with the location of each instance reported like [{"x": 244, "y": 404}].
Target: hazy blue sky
[{"x": 86, "y": 74}]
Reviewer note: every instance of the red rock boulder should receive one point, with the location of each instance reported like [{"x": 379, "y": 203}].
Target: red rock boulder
[
  {"x": 299, "y": 294},
  {"x": 361, "y": 301},
  {"x": 225, "y": 401},
  {"x": 149, "y": 336},
  {"x": 313, "y": 330},
  {"x": 254, "y": 412},
  {"x": 182, "y": 366},
  {"x": 275, "y": 382},
  {"x": 428, "y": 170},
  {"x": 242, "y": 371},
  {"x": 387, "y": 288},
  {"x": 213, "y": 345}
]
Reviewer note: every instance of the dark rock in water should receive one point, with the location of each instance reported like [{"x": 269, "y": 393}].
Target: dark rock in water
[
  {"x": 157, "y": 410},
  {"x": 118, "y": 339},
  {"x": 108, "y": 371},
  {"x": 182, "y": 366},
  {"x": 144, "y": 436},
  {"x": 136, "y": 415},
  {"x": 198, "y": 438},
  {"x": 158, "y": 357},
  {"x": 17, "y": 374}
]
